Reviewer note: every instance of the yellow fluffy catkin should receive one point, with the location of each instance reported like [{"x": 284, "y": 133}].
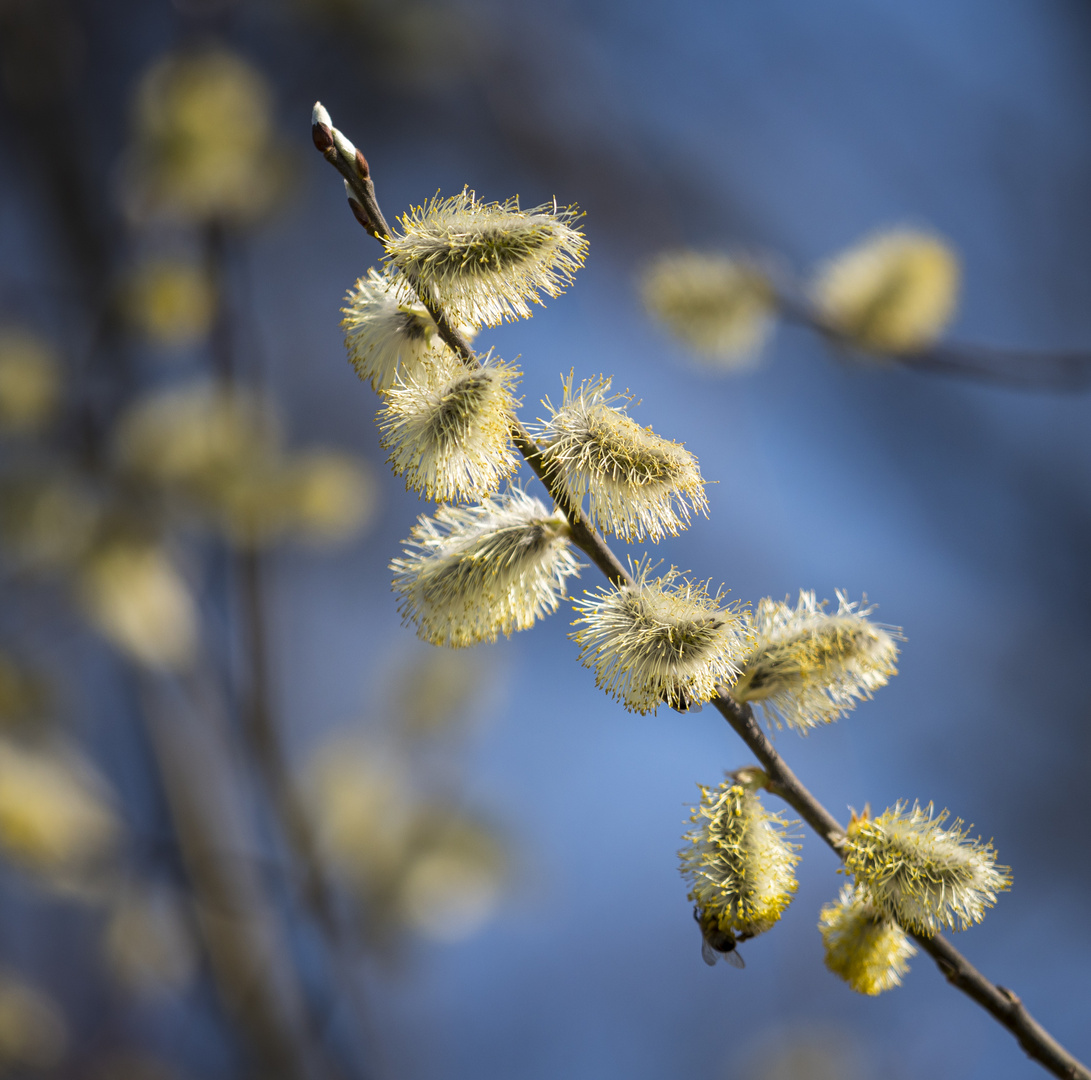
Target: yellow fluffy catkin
[
  {"x": 471, "y": 573},
  {"x": 810, "y": 666},
  {"x": 388, "y": 332},
  {"x": 637, "y": 484},
  {"x": 864, "y": 945},
  {"x": 894, "y": 292},
  {"x": 719, "y": 306},
  {"x": 660, "y": 640},
  {"x": 926, "y": 877},
  {"x": 481, "y": 261},
  {"x": 738, "y": 860},
  {"x": 448, "y": 430}
]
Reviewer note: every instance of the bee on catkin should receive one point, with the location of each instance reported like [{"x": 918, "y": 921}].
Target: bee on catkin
[{"x": 739, "y": 861}]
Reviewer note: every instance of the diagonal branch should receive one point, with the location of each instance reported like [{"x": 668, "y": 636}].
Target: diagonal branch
[
  {"x": 1020, "y": 369},
  {"x": 1001, "y": 1003}
]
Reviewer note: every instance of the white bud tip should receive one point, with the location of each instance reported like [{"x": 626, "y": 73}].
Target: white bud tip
[
  {"x": 351, "y": 194},
  {"x": 345, "y": 148},
  {"x": 320, "y": 116}
]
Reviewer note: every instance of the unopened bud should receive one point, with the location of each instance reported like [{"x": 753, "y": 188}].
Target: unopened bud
[
  {"x": 344, "y": 147},
  {"x": 321, "y": 128},
  {"x": 360, "y": 214},
  {"x": 362, "y": 165},
  {"x": 357, "y": 208}
]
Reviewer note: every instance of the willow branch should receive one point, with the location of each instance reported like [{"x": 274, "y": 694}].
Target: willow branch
[
  {"x": 1002, "y": 1004},
  {"x": 1062, "y": 371}
]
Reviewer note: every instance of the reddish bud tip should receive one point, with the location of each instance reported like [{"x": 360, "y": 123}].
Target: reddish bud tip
[
  {"x": 322, "y": 136},
  {"x": 360, "y": 214},
  {"x": 362, "y": 166}
]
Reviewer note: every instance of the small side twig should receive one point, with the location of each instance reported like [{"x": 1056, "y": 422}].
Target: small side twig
[{"x": 1026, "y": 369}]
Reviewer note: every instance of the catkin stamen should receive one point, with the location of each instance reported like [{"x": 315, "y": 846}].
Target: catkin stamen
[{"x": 637, "y": 484}]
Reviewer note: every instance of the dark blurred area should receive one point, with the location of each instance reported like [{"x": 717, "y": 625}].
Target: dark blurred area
[{"x": 248, "y": 825}]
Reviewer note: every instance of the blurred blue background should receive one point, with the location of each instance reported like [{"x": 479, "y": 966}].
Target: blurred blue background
[{"x": 960, "y": 508}]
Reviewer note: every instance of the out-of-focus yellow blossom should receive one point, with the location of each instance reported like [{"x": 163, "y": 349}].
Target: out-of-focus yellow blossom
[
  {"x": 170, "y": 301},
  {"x": 55, "y": 813},
  {"x": 333, "y": 495},
  {"x": 864, "y": 945},
  {"x": 410, "y": 863},
  {"x": 135, "y": 596},
  {"x": 204, "y": 142},
  {"x": 47, "y": 520},
  {"x": 148, "y": 943},
  {"x": 29, "y": 381},
  {"x": 719, "y": 306},
  {"x": 360, "y": 800},
  {"x": 435, "y": 689},
  {"x": 33, "y": 1033},
  {"x": 453, "y": 882},
  {"x": 195, "y": 435},
  {"x": 894, "y": 292},
  {"x": 220, "y": 449}
]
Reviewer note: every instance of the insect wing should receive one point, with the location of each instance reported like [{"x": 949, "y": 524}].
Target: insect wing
[
  {"x": 709, "y": 954},
  {"x": 734, "y": 959}
]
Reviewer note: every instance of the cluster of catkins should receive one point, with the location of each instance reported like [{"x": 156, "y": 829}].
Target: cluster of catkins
[{"x": 491, "y": 561}]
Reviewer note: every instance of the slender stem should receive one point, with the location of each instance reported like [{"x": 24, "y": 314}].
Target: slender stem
[
  {"x": 1068, "y": 370},
  {"x": 999, "y": 1002}
]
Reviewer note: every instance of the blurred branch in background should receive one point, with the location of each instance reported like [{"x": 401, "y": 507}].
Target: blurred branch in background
[
  {"x": 884, "y": 302},
  {"x": 145, "y": 488}
]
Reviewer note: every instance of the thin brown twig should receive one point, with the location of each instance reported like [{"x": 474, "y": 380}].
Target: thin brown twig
[
  {"x": 1001, "y": 1003},
  {"x": 1025, "y": 369}
]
